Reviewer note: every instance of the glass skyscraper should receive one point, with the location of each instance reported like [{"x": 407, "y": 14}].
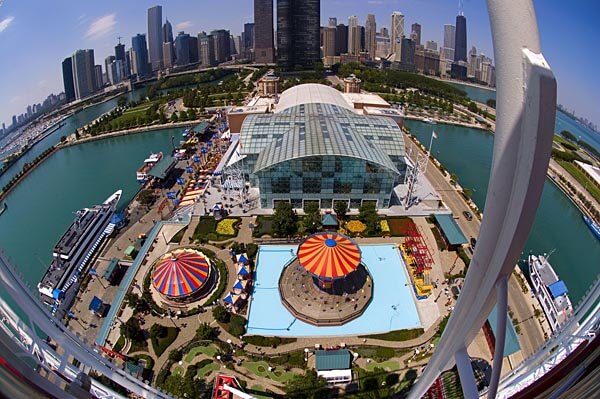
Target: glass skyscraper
[
  {"x": 155, "y": 36},
  {"x": 298, "y": 33},
  {"x": 264, "y": 51},
  {"x": 67, "y": 70},
  {"x": 460, "y": 41},
  {"x": 142, "y": 67}
]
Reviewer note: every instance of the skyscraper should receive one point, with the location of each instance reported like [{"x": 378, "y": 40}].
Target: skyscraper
[
  {"x": 449, "y": 39},
  {"x": 84, "y": 75},
  {"x": 206, "y": 49},
  {"x": 167, "y": 34},
  {"x": 460, "y": 41},
  {"x": 168, "y": 54},
  {"x": 298, "y": 27},
  {"x": 332, "y": 22},
  {"x": 222, "y": 44},
  {"x": 341, "y": 39},
  {"x": 182, "y": 49},
  {"x": 67, "y": 71},
  {"x": 353, "y": 35},
  {"x": 249, "y": 35},
  {"x": 139, "y": 61},
  {"x": 416, "y": 31},
  {"x": 108, "y": 68},
  {"x": 407, "y": 58},
  {"x": 121, "y": 55},
  {"x": 99, "y": 79},
  {"x": 396, "y": 33},
  {"x": 194, "y": 50},
  {"x": 155, "y": 36},
  {"x": 264, "y": 47},
  {"x": 328, "y": 41},
  {"x": 371, "y": 35}
]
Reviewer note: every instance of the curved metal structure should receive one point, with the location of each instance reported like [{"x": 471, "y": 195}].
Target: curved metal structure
[{"x": 526, "y": 108}]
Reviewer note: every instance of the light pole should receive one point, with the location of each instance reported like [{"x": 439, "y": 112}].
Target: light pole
[{"x": 306, "y": 354}]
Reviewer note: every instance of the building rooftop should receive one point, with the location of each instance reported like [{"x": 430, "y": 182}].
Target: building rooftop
[
  {"x": 162, "y": 167},
  {"x": 311, "y": 93},
  {"x": 333, "y": 360},
  {"x": 451, "y": 230},
  {"x": 593, "y": 171},
  {"x": 365, "y": 98},
  {"x": 256, "y": 109}
]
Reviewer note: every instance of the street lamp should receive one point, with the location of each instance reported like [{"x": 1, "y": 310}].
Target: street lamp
[{"x": 306, "y": 354}]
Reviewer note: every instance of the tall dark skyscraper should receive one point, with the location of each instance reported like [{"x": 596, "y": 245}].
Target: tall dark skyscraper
[
  {"x": 298, "y": 32},
  {"x": 140, "y": 63},
  {"x": 248, "y": 35},
  {"x": 121, "y": 55},
  {"x": 155, "y": 36},
  {"x": 167, "y": 32},
  {"x": 460, "y": 41},
  {"x": 264, "y": 47},
  {"x": 416, "y": 31},
  {"x": 84, "y": 74},
  {"x": 182, "y": 49},
  {"x": 222, "y": 44},
  {"x": 341, "y": 39},
  {"x": 67, "y": 71}
]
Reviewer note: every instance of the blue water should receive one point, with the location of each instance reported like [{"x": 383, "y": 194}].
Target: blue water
[
  {"x": 392, "y": 306},
  {"x": 563, "y": 121}
]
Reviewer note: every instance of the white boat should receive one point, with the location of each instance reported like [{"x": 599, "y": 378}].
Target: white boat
[
  {"x": 551, "y": 292},
  {"x": 149, "y": 163},
  {"x": 430, "y": 121}
]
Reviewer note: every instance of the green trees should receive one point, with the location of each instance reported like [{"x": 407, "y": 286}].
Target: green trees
[
  {"x": 205, "y": 332},
  {"x": 132, "y": 330},
  {"x": 341, "y": 209},
  {"x": 312, "y": 218},
  {"x": 284, "y": 219},
  {"x": 367, "y": 214},
  {"x": 308, "y": 385},
  {"x": 220, "y": 314}
]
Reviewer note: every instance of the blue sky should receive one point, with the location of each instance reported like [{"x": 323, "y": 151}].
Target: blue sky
[{"x": 36, "y": 35}]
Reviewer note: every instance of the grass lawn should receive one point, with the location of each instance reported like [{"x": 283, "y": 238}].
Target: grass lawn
[
  {"x": 160, "y": 344},
  {"x": 264, "y": 226},
  {"x": 206, "y": 350},
  {"x": 581, "y": 178},
  {"x": 398, "y": 335},
  {"x": 390, "y": 365},
  {"x": 138, "y": 347},
  {"x": 204, "y": 371},
  {"x": 261, "y": 369}
]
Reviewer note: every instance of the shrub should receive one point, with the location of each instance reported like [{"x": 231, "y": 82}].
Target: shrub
[
  {"x": 161, "y": 342},
  {"x": 259, "y": 340},
  {"x": 226, "y": 227},
  {"x": 236, "y": 325},
  {"x": 356, "y": 226},
  {"x": 221, "y": 314},
  {"x": 251, "y": 249}
]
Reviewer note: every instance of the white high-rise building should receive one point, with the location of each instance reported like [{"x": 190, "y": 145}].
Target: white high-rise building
[
  {"x": 449, "y": 36},
  {"x": 353, "y": 35},
  {"x": 431, "y": 45},
  {"x": 396, "y": 33}
]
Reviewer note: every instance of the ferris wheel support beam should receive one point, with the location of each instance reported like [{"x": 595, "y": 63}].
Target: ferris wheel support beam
[{"x": 526, "y": 108}]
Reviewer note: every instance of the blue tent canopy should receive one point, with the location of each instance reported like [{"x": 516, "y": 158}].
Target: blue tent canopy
[
  {"x": 558, "y": 288},
  {"x": 117, "y": 218},
  {"x": 216, "y": 207},
  {"x": 228, "y": 299},
  {"x": 243, "y": 271},
  {"x": 189, "y": 169},
  {"x": 238, "y": 285},
  {"x": 57, "y": 294},
  {"x": 96, "y": 304},
  {"x": 243, "y": 259}
]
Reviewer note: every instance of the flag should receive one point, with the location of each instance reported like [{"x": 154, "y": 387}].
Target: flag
[{"x": 434, "y": 135}]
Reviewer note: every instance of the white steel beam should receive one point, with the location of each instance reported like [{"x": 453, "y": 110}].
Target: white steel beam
[{"x": 526, "y": 107}]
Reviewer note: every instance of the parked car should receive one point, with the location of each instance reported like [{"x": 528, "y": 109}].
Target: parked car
[{"x": 468, "y": 215}]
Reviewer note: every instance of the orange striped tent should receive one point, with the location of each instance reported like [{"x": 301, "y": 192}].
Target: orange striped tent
[{"x": 329, "y": 256}]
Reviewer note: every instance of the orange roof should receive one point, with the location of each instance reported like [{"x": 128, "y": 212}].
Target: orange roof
[{"x": 329, "y": 255}]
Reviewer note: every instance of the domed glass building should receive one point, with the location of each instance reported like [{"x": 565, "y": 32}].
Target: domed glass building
[{"x": 317, "y": 147}]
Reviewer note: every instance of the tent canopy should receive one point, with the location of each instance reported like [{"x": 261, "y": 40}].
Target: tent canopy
[
  {"x": 96, "y": 304},
  {"x": 329, "y": 256},
  {"x": 181, "y": 273}
]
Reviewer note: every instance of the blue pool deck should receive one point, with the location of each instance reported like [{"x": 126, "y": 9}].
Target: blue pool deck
[{"x": 392, "y": 307}]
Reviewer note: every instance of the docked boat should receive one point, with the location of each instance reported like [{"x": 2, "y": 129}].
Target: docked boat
[
  {"x": 550, "y": 291},
  {"x": 3, "y": 208},
  {"x": 592, "y": 225},
  {"x": 149, "y": 163},
  {"x": 430, "y": 121},
  {"x": 74, "y": 249}
]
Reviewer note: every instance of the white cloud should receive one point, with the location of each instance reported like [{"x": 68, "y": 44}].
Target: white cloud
[
  {"x": 101, "y": 27},
  {"x": 5, "y": 22},
  {"x": 183, "y": 25}
]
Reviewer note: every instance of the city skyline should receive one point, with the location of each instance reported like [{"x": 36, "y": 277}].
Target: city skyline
[{"x": 98, "y": 25}]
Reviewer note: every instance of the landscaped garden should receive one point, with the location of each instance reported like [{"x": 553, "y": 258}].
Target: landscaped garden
[
  {"x": 264, "y": 226},
  {"x": 261, "y": 369},
  {"x": 210, "y": 229}
]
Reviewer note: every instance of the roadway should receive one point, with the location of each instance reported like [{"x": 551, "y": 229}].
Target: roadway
[{"x": 520, "y": 303}]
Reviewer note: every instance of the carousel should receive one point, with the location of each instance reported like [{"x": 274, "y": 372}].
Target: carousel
[
  {"x": 183, "y": 276},
  {"x": 326, "y": 283}
]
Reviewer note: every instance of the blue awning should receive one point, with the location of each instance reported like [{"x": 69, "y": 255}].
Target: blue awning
[
  {"x": 96, "y": 304},
  {"x": 228, "y": 299},
  {"x": 238, "y": 285},
  {"x": 57, "y": 294},
  {"x": 243, "y": 271},
  {"x": 450, "y": 229},
  {"x": 558, "y": 288},
  {"x": 243, "y": 259}
]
